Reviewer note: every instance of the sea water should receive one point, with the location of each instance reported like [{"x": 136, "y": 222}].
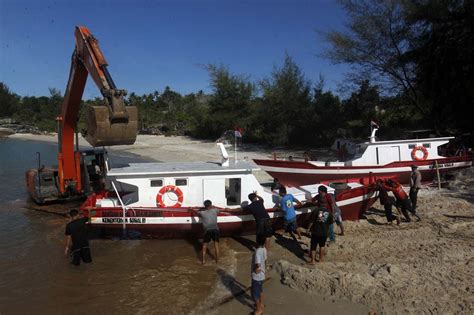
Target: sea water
[{"x": 126, "y": 276}]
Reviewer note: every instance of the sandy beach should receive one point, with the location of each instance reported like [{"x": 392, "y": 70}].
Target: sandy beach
[
  {"x": 417, "y": 267},
  {"x": 176, "y": 149}
]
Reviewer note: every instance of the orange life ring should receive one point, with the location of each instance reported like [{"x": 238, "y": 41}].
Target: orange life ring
[
  {"x": 422, "y": 149},
  {"x": 167, "y": 189}
]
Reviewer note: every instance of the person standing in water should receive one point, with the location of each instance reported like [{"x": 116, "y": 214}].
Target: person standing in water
[
  {"x": 259, "y": 258},
  {"x": 211, "y": 229},
  {"x": 77, "y": 243}
]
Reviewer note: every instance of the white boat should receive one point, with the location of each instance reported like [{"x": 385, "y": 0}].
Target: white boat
[
  {"x": 372, "y": 159},
  {"x": 161, "y": 199}
]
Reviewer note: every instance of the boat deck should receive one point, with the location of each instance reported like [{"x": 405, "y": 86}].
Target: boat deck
[{"x": 183, "y": 168}]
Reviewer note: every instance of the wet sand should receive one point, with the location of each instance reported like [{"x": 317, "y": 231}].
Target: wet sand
[{"x": 417, "y": 267}]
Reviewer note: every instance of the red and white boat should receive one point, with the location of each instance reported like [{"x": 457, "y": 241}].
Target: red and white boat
[
  {"x": 380, "y": 159},
  {"x": 160, "y": 199}
]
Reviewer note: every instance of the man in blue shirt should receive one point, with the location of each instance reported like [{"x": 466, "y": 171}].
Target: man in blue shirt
[{"x": 286, "y": 205}]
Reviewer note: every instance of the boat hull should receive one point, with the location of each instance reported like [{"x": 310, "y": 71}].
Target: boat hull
[
  {"x": 183, "y": 225},
  {"x": 184, "y": 222},
  {"x": 305, "y": 173}
]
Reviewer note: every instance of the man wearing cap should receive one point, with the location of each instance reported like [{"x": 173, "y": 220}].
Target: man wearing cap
[{"x": 415, "y": 185}]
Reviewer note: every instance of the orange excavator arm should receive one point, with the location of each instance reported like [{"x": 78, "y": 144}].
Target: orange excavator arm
[{"x": 110, "y": 124}]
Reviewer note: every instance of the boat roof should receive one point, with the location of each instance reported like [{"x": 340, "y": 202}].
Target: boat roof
[
  {"x": 410, "y": 141},
  {"x": 181, "y": 168}
]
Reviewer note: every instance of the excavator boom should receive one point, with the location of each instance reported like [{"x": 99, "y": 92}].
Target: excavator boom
[
  {"x": 82, "y": 172},
  {"x": 110, "y": 124}
]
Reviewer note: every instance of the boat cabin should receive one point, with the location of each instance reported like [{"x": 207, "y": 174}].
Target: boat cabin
[
  {"x": 188, "y": 184},
  {"x": 384, "y": 152}
]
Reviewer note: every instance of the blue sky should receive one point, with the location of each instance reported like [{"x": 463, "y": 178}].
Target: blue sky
[{"x": 151, "y": 44}]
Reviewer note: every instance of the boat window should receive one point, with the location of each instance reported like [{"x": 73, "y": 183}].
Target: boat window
[
  {"x": 427, "y": 145},
  {"x": 181, "y": 182},
  {"x": 232, "y": 191},
  {"x": 156, "y": 182},
  {"x": 128, "y": 192},
  {"x": 411, "y": 146}
]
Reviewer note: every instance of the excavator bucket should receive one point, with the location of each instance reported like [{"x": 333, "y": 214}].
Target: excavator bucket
[{"x": 104, "y": 130}]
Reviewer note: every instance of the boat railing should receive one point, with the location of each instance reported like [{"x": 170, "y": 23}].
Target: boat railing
[{"x": 294, "y": 158}]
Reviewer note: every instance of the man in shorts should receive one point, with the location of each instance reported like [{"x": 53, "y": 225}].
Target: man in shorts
[
  {"x": 415, "y": 185},
  {"x": 325, "y": 200},
  {"x": 211, "y": 230},
  {"x": 258, "y": 274},
  {"x": 77, "y": 243},
  {"x": 262, "y": 219},
  {"x": 386, "y": 201},
  {"x": 403, "y": 201},
  {"x": 286, "y": 205},
  {"x": 319, "y": 229}
]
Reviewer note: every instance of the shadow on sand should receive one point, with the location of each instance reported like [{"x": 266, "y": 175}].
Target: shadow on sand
[
  {"x": 249, "y": 244},
  {"x": 197, "y": 246},
  {"x": 238, "y": 290},
  {"x": 375, "y": 211},
  {"x": 292, "y": 245}
]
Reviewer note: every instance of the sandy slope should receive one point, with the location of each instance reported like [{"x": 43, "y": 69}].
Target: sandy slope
[
  {"x": 420, "y": 267},
  {"x": 417, "y": 267}
]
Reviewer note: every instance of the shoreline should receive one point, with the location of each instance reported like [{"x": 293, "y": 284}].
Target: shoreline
[{"x": 159, "y": 148}]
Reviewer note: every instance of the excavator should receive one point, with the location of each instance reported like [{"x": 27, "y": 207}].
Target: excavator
[{"x": 79, "y": 173}]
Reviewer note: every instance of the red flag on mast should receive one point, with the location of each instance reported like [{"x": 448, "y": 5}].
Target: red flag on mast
[{"x": 238, "y": 132}]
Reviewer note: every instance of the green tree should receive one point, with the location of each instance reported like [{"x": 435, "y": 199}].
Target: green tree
[
  {"x": 8, "y": 101},
  {"x": 229, "y": 104},
  {"x": 327, "y": 116},
  {"x": 444, "y": 57},
  {"x": 375, "y": 43},
  {"x": 286, "y": 109}
]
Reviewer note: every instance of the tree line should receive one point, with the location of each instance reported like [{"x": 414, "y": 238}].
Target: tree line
[{"x": 412, "y": 68}]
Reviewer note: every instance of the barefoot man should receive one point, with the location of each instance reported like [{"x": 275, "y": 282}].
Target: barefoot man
[
  {"x": 319, "y": 229},
  {"x": 211, "y": 230},
  {"x": 286, "y": 205},
  {"x": 258, "y": 274}
]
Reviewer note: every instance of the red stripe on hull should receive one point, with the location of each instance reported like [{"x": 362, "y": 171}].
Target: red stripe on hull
[
  {"x": 174, "y": 230},
  {"x": 355, "y": 211},
  {"x": 291, "y": 177},
  {"x": 168, "y": 231}
]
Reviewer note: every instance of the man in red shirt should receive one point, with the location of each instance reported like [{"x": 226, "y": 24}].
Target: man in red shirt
[
  {"x": 402, "y": 198},
  {"x": 386, "y": 201}
]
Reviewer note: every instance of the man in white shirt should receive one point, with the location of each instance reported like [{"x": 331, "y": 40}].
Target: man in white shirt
[{"x": 258, "y": 274}]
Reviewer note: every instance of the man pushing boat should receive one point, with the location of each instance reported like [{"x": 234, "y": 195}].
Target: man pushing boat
[
  {"x": 211, "y": 229},
  {"x": 262, "y": 219}
]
